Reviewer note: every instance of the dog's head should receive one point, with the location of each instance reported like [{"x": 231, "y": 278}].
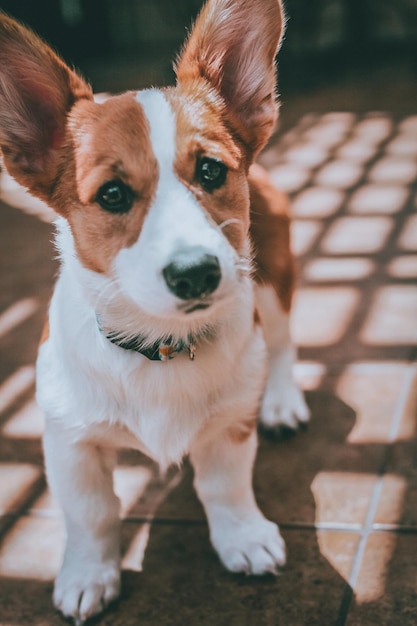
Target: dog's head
[{"x": 151, "y": 185}]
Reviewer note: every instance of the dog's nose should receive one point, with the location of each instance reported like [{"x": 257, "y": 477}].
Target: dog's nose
[{"x": 192, "y": 273}]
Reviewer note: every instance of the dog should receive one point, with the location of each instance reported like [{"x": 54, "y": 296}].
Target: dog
[{"x": 168, "y": 327}]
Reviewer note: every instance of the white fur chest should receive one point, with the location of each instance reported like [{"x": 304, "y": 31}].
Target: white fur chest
[{"x": 97, "y": 390}]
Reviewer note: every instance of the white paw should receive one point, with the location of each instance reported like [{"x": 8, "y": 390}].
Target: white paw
[
  {"x": 250, "y": 547},
  {"x": 284, "y": 405},
  {"x": 86, "y": 590}
]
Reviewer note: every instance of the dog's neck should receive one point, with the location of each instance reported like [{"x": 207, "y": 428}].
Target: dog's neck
[{"x": 161, "y": 350}]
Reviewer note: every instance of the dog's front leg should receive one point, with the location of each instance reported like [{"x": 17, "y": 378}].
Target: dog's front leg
[
  {"x": 80, "y": 477},
  {"x": 244, "y": 539}
]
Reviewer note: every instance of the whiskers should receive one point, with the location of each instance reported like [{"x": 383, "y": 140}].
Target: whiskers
[
  {"x": 244, "y": 266},
  {"x": 107, "y": 295},
  {"x": 231, "y": 220},
  {"x": 244, "y": 263}
]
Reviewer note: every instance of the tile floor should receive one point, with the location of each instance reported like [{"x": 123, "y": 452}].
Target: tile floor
[{"x": 344, "y": 491}]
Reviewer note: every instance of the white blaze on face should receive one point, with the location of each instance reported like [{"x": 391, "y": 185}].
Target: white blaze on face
[{"x": 174, "y": 224}]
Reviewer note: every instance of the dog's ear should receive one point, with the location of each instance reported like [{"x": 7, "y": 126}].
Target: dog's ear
[
  {"x": 37, "y": 90},
  {"x": 233, "y": 46}
]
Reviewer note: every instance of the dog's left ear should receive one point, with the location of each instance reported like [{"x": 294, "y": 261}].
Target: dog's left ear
[
  {"x": 233, "y": 47},
  {"x": 37, "y": 91}
]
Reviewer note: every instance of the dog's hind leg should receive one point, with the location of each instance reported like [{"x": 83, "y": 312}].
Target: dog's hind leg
[
  {"x": 283, "y": 405},
  {"x": 80, "y": 477}
]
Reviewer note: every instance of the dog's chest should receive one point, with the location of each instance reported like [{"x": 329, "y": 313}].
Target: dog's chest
[
  {"x": 157, "y": 407},
  {"x": 163, "y": 405}
]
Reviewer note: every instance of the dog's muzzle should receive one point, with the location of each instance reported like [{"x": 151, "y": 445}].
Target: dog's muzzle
[{"x": 192, "y": 273}]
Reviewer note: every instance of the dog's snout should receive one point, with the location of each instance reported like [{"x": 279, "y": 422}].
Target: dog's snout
[{"x": 192, "y": 273}]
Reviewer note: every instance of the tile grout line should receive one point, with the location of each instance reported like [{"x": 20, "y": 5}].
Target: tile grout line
[{"x": 368, "y": 526}]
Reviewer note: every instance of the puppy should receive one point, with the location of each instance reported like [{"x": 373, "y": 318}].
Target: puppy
[{"x": 168, "y": 327}]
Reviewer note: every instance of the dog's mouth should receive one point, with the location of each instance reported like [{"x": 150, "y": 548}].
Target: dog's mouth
[{"x": 191, "y": 307}]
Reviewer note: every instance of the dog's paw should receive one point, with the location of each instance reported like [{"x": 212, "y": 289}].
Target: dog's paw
[
  {"x": 283, "y": 408},
  {"x": 86, "y": 591},
  {"x": 252, "y": 548}
]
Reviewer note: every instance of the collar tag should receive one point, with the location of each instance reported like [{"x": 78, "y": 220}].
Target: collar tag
[
  {"x": 191, "y": 350},
  {"x": 167, "y": 351}
]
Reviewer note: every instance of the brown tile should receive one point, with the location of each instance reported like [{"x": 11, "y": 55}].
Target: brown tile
[
  {"x": 25, "y": 602},
  {"x": 130, "y": 483},
  {"x": 381, "y": 199},
  {"x": 326, "y": 134},
  {"x": 32, "y": 549},
  {"x": 196, "y": 589},
  {"x": 290, "y": 475},
  {"x": 307, "y": 154},
  {"x": 374, "y": 128},
  {"x": 371, "y": 583},
  {"x": 339, "y": 174},
  {"x": 403, "y": 145},
  {"x": 398, "y": 500},
  {"x": 393, "y": 169},
  {"x": 290, "y": 177},
  {"x": 317, "y": 202},
  {"x": 360, "y": 386},
  {"x": 392, "y": 319},
  {"x": 321, "y": 315},
  {"x": 357, "y": 235},
  {"x": 26, "y": 259},
  {"x": 303, "y": 235},
  {"x": 309, "y": 374},
  {"x": 16, "y": 196},
  {"x": 172, "y": 498},
  {"x": 392, "y": 500},
  {"x": 45, "y": 504},
  {"x": 339, "y": 548},
  {"x": 16, "y": 483},
  {"x": 342, "y": 497},
  {"x": 324, "y": 269},
  {"x": 15, "y": 386},
  {"x": 182, "y": 582},
  {"x": 403, "y": 266},
  {"x": 356, "y": 150},
  {"x": 408, "y": 126},
  {"x": 407, "y": 420},
  {"x": 408, "y": 237},
  {"x": 386, "y": 588},
  {"x": 27, "y": 422}
]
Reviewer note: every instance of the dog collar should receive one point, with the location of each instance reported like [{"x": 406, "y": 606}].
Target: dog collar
[{"x": 163, "y": 350}]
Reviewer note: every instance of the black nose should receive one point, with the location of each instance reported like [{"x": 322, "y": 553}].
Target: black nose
[{"x": 192, "y": 273}]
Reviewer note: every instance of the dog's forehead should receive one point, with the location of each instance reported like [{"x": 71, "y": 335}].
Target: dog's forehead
[
  {"x": 186, "y": 125},
  {"x": 161, "y": 122}
]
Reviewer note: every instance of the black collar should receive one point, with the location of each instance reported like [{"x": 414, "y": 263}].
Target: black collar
[{"x": 162, "y": 350}]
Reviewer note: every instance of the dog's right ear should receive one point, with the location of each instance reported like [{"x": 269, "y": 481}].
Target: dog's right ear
[
  {"x": 232, "y": 47},
  {"x": 37, "y": 90}
]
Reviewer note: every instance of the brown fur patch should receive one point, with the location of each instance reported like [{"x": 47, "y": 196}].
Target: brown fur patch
[
  {"x": 241, "y": 431},
  {"x": 201, "y": 131},
  {"x": 109, "y": 140},
  {"x": 270, "y": 234},
  {"x": 232, "y": 47},
  {"x": 37, "y": 90}
]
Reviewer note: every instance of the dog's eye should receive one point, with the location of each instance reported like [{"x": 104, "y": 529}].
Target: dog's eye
[
  {"x": 115, "y": 196},
  {"x": 211, "y": 173}
]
